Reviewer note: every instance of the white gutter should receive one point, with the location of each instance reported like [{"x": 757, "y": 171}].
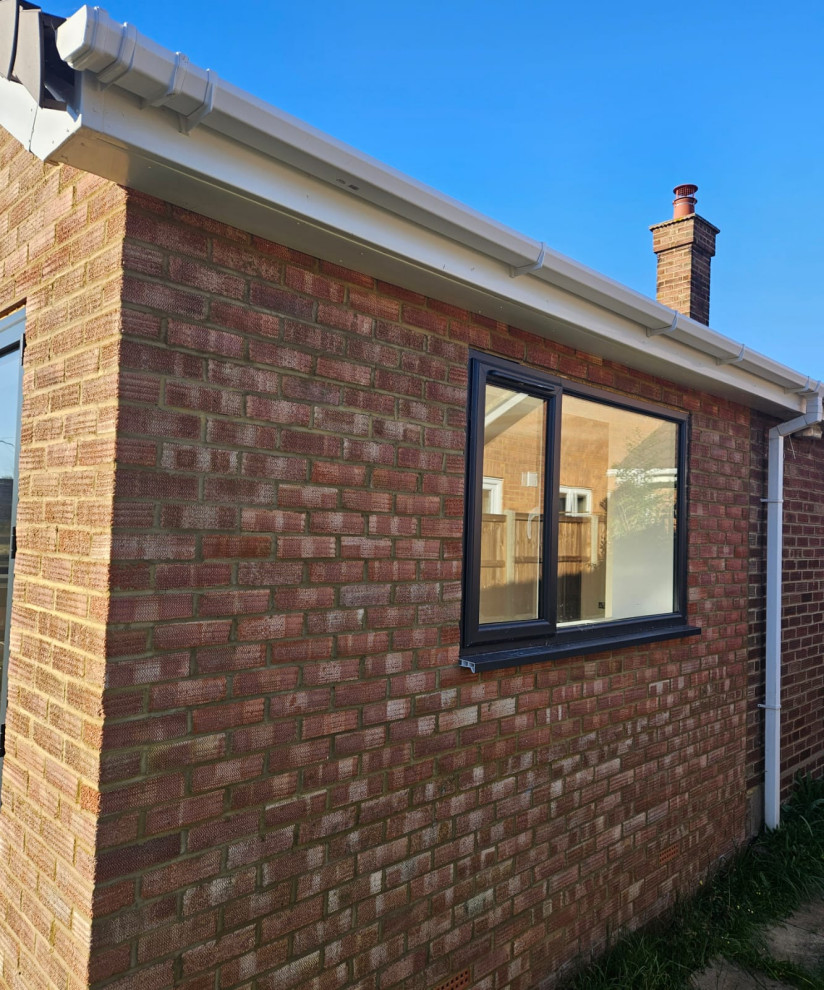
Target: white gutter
[
  {"x": 92, "y": 42},
  {"x": 775, "y": 533},
  {"x": 240, "y": 160}
]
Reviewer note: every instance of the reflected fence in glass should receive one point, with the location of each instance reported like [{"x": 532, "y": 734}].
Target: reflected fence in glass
[{"x": 514, "y": 470}]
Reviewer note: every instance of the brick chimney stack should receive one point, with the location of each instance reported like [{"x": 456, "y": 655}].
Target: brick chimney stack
[{"x": 685, "y": 246}]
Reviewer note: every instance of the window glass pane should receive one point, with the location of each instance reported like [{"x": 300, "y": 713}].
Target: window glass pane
[
  {"x": 512, "y": 505},
  {"x": 9, "y": 431},
  {"x": 616, "y": 527}
]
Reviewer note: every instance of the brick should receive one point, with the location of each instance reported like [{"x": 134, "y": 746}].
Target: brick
[
  {"x": 155, "y": 295},
  {"x": 280, "y": 300}
]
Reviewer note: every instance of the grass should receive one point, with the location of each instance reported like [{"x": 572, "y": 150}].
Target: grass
[{"x": 765, "y": 882}]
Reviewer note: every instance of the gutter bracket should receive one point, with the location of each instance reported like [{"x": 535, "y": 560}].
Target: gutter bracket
[
  {"x": 655, "y": 331},
  {"x": 735, "y": 360},
  {"x": 531, "y": 267},
  {"x": 806, "y": 388},
  {"x": 190, "y": 121},
  {"x": 123, "y": 61}
]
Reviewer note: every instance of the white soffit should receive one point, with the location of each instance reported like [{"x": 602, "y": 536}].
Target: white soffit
[{"x": 163, "y": 126}]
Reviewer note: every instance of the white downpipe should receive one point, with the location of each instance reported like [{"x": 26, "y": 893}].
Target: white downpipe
[
  {"x": 775, "y": 542},
  {"x": 772, "y": 699}
]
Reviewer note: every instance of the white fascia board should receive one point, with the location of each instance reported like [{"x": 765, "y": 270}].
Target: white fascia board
[
  {"x": 285, "y": 139},
  {"x": 210, "y": 174}
]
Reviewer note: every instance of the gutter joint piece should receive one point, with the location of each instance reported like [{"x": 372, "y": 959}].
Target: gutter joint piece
[
  {"x": 123, "y": 61},
  {"x": 531, "y": 267},
  {"x": 190, "y": 121},
  {"x": 175, "y": 83}
]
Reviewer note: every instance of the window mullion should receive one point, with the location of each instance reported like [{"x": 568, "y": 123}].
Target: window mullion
[{"x": 552, "y": 461}]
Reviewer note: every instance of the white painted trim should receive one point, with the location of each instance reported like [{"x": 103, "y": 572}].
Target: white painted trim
[
  {"x": 495, "y": 487},
  {"x": 570, "y": 497}
]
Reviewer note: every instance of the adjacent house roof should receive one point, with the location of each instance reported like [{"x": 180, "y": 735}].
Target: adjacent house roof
[{"x": 110, "y": 101}]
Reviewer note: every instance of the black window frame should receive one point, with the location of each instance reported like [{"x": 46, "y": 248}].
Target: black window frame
[{"x": 490, "y": 646}]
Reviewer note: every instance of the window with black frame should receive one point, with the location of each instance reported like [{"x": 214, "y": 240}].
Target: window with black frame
[{"x": 575, "y": 537}]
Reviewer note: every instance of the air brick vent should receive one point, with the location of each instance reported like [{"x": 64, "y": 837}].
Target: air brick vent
[
  {"x": 460, "y": 981},
  {"x": 668, "y": 854}
]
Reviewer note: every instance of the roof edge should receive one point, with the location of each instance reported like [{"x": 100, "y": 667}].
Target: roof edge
[{"x": 125, "y": 80}]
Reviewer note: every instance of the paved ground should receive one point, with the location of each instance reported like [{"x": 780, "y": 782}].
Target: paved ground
[{"x": 799, "y": 939}]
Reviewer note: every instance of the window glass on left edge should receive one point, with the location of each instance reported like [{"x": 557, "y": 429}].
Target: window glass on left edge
[{"x": 514, "y": 470}]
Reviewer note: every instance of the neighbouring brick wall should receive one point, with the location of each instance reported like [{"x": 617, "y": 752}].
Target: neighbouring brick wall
[
  {"x": 299, "y": 787},
  {"x": 802, "y": 695},
  {"x": 802, "y": 661},
  {"x": 60, "y": 243}
]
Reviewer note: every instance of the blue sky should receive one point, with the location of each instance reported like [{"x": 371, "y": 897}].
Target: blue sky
[{"x": 570, "y": 125}]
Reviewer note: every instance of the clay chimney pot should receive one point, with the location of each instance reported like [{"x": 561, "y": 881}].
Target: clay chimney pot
[{"x": 684, "y": 203}]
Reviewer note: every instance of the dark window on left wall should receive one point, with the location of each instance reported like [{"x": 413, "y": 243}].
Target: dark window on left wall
[
  {"x": 575, "y": 530},
  {"x": 12, "y": 345}
]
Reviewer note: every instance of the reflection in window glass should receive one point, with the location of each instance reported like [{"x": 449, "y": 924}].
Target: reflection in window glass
[
  {"x": 11, "y": 334},
  {"x": 9, "y": 431},
  {"x": 616, "y": 546},
  {"x": 512, "y": 505}
]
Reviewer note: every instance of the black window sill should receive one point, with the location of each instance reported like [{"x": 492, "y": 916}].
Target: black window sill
[{"x": 494, "y": 659}]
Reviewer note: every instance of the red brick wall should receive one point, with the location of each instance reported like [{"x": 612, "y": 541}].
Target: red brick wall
[
  {"x": 296, "y": 780},
  {"x": 299, "y": 784},
  {"x": 757, "y": 599},
  {"x": 802, "y": 716},
  {"x": 60, "y": 241}
]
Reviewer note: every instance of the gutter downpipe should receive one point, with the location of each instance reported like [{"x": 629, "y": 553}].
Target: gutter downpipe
[{"x": 775, "y": 541}]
